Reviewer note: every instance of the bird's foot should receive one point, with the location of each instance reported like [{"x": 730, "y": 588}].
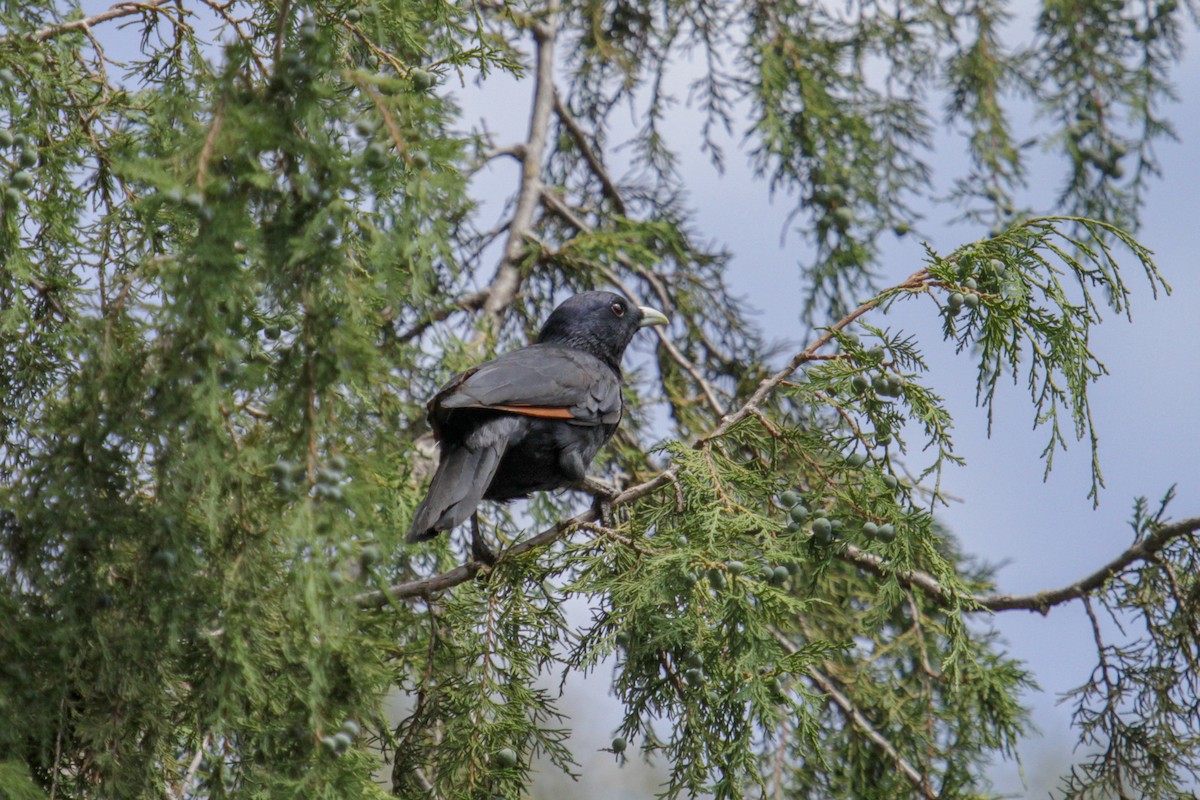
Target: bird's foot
[
  {"x": 480, "y": 551},
  {"x": 603, "y": 495},
  {"x": 602, "y": 506}
]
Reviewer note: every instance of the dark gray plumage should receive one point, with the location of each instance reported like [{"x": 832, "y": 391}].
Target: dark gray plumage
[{"x": 532, "y": 419}]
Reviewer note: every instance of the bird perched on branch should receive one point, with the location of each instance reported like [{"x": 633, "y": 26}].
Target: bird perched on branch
[{"x": 530, "y": 420}]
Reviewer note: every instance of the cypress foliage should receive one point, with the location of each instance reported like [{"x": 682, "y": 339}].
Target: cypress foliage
[{"x": 240, "y": 250}]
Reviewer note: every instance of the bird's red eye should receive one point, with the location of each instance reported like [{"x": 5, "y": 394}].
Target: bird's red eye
[{"x": 618, "y": 309}]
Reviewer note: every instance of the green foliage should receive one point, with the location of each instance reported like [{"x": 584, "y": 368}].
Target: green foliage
[
  {"x": 1036, "y": 288},
  {"x": 233, "y": 273},
  {"x": 15, "y": 782}
]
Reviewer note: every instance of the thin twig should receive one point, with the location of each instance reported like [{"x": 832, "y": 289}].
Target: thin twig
[
  {"x": 383, "y": 55},
  {"x": 446, "y": 580},
  {"x": 222, "y": 10},
  {"x": 389, "y": 121},
  {"x": 210, "y": 143},
  {"x": 118, "y": 10},
  {"x": 514, "y": 151},
  {"x": 470, "y": 302},
  {"x": 1112, "y": 694},
  {"x": 768, "y": 384},
  {"x": 609, "y": 533}
]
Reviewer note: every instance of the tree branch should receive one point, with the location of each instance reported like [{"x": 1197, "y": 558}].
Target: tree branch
[
  {"x": 507, "y": 280},
  {"x": 118, "y": 10},
  {"x": 514, "y": 151},
  {"x": 210, "y": 143},
  {"x": 856, "y": 718},
  {"x": 1139, "y": 551},
  {"x": 1040, "y": 602},
  {"x": 767, "y": 385},
  {"x": 436, "y": 583},
  {"x": 469, "y": 302},
  {"x": 589, "y": 155},
  {"x": 877, "y": 565},
  {"x": 446, "y": 580},
  {"x": 864, "y": 726}
]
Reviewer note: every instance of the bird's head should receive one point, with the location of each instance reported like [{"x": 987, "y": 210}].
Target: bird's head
[{"x": 601, "y": 323}]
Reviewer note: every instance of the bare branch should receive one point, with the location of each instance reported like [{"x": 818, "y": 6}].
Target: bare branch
[
  {"x": 1041, "y": 602},
  {"x": 514, "y": 151},
  {"x": 1142, "y": 550},
  {"x": 470, "y": 302},
  {"x": 589, "y": 155},
  {"x": 117, "y": 11},
  {"x": 507, "y": 280}
]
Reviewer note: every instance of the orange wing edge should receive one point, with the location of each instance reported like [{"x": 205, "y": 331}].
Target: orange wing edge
[{"x": 542, "y": 412}]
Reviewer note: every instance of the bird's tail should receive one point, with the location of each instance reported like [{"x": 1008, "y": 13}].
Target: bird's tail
[{"x": 462, "y": 476}]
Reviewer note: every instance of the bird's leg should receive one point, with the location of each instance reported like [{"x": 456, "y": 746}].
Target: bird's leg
[
  {"x": 479, "y": 548},
  {"x": 602, "y": 496}
]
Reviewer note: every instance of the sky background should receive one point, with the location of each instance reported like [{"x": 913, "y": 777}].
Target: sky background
[{"x": 1045, "y": 534}]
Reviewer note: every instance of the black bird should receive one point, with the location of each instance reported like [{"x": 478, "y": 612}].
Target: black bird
[{"x": 531, "y": 420}]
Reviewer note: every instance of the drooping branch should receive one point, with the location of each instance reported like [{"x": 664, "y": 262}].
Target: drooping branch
[{"x": 863, "y": 726}]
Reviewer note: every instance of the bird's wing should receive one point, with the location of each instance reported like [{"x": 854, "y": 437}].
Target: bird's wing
[{"x": 542, "y": 380}]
